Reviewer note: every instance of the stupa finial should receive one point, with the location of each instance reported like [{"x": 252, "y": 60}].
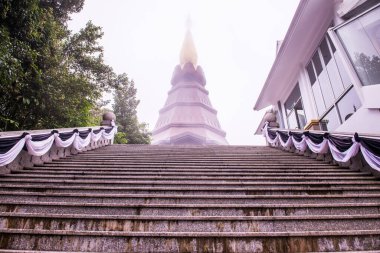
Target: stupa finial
[
  {"x": 188, "y": 51},
  {"x": 188, "y": 23}
]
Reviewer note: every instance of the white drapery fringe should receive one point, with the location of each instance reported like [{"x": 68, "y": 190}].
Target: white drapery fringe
[
  {"x": 9, "y": 156},
  {"x": 372, "y": 159},
  {"x": 39, "y": 148},
  {"x": 325, "y": 146}
]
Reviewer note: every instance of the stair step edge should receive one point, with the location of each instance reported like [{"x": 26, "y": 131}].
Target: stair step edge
[
  {"x": 188, "y": 218},
  {"x": 191, "y": 234}
]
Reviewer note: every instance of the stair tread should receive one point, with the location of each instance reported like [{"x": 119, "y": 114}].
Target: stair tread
[
  {"x": 309, "y": 205},
  {"x": 189, "y": 218},
  {"x": 121, "y": 195},
  {"x": 191, "y": 234},
  {"x": 330, "y": 188},
  {"x": 175, "y": 196},
  {"x": 189, "y": 182},
  {"x": 228, "y": 178}
]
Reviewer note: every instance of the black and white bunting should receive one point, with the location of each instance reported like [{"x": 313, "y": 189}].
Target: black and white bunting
[
  {"x": 38, "y": 145},
  {"x": 341, "y": 148}
]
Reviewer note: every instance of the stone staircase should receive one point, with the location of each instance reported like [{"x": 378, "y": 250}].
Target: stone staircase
[{"x": 139, "y": 198}]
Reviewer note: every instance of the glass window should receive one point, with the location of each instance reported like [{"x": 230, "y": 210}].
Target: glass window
[
  {"x": 316, "y": 89},
  {"x": 334, "y": 72},
  {"x": 327, "y": 91},
  {"x": 300, "y": 114},
  {"x": 325, "y": 51},
  {"x": 317, "y": 63},
  {"x": 348, "y": 104},
  {"x": 342, "y": 71},
  {"x": 279, "y": 114},
  {"x": 335, "y": 79},
  {"x": 292, "y": 120},
  {"x": 333, "y": 49},
  {"x": 330, "y": 121},
  {"x": 361, "y": 39},
  {"x": 321, "y": 108},
  {"x": 310, "y": 72},
  {"x": 331, "y": 79},
  {"x": 294, "y": 110},
  {"x": 292, "y": 99}
]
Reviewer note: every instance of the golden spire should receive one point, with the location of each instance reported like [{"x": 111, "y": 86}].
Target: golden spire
[{"x": 188, "y": 51}]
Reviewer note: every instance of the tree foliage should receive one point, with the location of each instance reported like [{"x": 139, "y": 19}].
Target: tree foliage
[
  {"x": 49, "y": 77},
  {"x": 125, "y": 109}
]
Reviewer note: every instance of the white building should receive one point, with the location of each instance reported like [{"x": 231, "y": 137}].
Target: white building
[{"x": 326, "y": 74}]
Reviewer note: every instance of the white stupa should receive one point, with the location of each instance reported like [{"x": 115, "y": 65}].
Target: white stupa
[{"x": 188, "y": 117}]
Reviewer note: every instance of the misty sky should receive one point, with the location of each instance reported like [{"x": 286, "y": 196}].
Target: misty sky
[{"x": 235, "y": 41}]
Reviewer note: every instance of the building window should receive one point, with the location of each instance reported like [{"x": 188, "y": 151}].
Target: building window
[
  {"x": 279, "y": 115},
  {"x": 294, "y": 110},
  {"x": 334, "y": 96},
  {"x": 348, "y": 104},
  {"x": 316, "y": 89},
  {"x": 327, "y": 77},
  {"x": 333, "y": 73},
  {"x": 338, "y": 60},
  {"x": 361, "y": 39},
  {"x": 341, "y": 111},
  {"x": 330, "y": 121}
]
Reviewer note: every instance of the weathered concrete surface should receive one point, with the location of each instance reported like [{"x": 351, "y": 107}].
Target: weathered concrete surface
[
  {"x": 240, "y": 224},
  {"x": 264, "y": 243},
  {"x": 24, "y": 160},
  {"x": 137, "y": 198}
]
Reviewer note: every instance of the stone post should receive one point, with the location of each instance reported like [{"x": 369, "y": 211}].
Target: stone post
[
  {"x": 270, "y": 117},
  {"x": 109, "y": 119}
]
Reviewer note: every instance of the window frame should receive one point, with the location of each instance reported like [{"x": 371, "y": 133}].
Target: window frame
[
  {"x": 343, "y": 46},
  {"x": 335, "y": 104},
  {"x": 337, "y": 98},
  {"x": 292, "y": 110}
]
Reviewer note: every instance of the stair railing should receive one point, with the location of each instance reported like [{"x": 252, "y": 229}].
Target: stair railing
[
  {"x": 343, "y": 147},
  {"x": 23, "y": 149}
]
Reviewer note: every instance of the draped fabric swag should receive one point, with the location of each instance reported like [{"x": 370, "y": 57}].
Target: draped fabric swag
[
  {"x": 342, "y": 148},
  {"x": 38, "y": 145}
]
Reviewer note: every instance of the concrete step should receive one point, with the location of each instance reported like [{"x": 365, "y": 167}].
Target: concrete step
[
  {"x": 113, "y": 241},
  {"x": 189, "y": 155},
  {"x": 237, "y": 164},
  {"x": 185, "y": 157},
  {"x": 34, "y": 172},
  {"x": 199, "y": 178},
  {"x": 185, "y": 199},
  {"x": 192, "y": 166},
  {"x": 190, "y": 159},
  {"x": 285, "y": 190},
  {"x": 190, "y": 183},
  {"x": 35, "y": 251},
  {"x": 130, "y": 223},
  {"x": 188, "y": 170},
  {"x": 39, "y": 251},
  {"x": 190, "y": 209},
  {"x": 173, "y": 161},
  {"x": 145, "y": 198},
  {"x": 185, "y": 151}
]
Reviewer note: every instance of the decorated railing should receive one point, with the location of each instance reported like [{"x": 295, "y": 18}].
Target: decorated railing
[
  {"x": 33, "y": 147},
  {"x": 342, "y": 147}
]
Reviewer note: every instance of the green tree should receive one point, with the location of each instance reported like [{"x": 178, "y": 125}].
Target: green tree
[
  {"x": 49, "y": 77},
  {"x": 125, "y": 109}
]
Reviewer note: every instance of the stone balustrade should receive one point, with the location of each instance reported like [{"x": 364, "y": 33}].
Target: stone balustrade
[
  {"x": 25, "y": 159},
  {"x": 353, "y": 150},
  {"x": 21, "y": 149}
]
